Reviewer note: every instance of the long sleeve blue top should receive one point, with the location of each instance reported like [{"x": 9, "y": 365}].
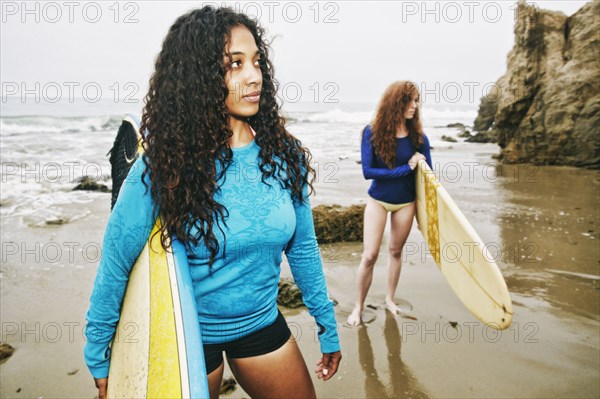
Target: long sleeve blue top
[
  {"x": 395, "y": 185},
  {"x": 235, "y": 296}
]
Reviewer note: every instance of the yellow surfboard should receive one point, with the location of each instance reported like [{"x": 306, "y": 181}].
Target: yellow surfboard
[
  {"x": 157, "y": 349},
  {"x": 460, "y": 253}
]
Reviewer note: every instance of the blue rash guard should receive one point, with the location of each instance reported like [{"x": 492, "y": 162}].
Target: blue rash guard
[
  {"x": 396, "y": 185},
  {"x": 237, "y": 295}
]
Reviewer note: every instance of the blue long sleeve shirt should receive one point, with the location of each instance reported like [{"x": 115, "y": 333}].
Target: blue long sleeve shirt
[
  {"x": 395, "y": 185},
  {"x": 237, "y": 295}
]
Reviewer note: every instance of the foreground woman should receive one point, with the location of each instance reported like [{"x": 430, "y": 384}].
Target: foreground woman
[{"x": 229, "y": 181}]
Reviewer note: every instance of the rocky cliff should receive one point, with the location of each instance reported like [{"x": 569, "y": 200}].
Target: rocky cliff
[{"x": 546, "y": 108}]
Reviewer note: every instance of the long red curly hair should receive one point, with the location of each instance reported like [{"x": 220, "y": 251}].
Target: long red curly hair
[{"x": 389, "y": 118}]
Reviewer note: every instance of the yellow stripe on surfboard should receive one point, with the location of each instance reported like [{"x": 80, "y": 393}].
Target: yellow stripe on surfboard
[
  {"x": 433, "y": 230},
  {"x": 164, "y": 379}
]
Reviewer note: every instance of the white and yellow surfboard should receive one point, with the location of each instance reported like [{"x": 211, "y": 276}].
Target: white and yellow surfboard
[
  {"x": 157, "y": 349},
  {"x": 460, "y": 253}
]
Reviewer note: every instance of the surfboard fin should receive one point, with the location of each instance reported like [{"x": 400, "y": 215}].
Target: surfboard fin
[{"x": 123, "y": 153}]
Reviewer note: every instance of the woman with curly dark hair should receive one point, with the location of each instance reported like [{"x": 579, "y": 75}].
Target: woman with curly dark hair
[
  {"x": 231, "y": 183},
  {"x": 391, "y": 149}
]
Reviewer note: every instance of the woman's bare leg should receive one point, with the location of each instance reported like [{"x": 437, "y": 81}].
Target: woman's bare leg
[
  {"x": 401, "y": 224},
  {"x": 374, "y": 225},
  {"x": 278, "y": 374},
  {"x": 214, "y": 381}
]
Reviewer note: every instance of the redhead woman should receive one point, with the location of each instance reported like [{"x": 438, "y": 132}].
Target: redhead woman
[
  {"x": 391, "y": 147},
  {"x": 231, "y": 183}
]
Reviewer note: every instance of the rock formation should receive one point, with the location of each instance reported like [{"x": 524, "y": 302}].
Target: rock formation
[
  {"x": 546, "y": 108},
  {"x": 335, "y": 223},
  {"x": 289, "y": 295},
  {"x": 6, "y": 351},
  {"x": 87, "y": 183}
]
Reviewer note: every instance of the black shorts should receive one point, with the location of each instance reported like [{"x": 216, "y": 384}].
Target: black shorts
[{"x": 263, "y": 341}]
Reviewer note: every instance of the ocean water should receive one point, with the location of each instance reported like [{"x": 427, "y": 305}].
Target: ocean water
[{"x": 47, "y": 148}]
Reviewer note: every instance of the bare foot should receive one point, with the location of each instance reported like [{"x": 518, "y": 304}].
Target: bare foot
[
  {"x": 392, "y": 307},
  {"x": 396, "y": 310},
  {"x": 355, "y": 317}
]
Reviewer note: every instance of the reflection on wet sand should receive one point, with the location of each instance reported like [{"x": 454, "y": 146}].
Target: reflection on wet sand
[
  {"x": 401, "y": 381},
  {"x": 549, "y": 228}
]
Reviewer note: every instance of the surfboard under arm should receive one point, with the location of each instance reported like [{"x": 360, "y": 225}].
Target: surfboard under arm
[
  {"x": 157, "y": 350},
  {"x": 460, "y": 253}
]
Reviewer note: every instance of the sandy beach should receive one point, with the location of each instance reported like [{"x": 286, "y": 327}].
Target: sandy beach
[{"x": 543, "y": 223}]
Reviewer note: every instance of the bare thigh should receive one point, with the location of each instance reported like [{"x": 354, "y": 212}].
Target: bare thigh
[
  {"x": 401, "y": 223},
  {"x": 278, "y": 374},
  {"x": 374, "y": 225},
  {"x": 214, "y": 381}
]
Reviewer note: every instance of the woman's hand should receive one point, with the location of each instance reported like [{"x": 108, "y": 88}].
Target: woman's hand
[
  {"x": 414, "y": 160},
  {"x": 328, "y": 365},
  {"x": 101, "y": 384}
]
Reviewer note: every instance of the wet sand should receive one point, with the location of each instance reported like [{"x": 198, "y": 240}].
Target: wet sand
[{"x": 542, "y": 221}]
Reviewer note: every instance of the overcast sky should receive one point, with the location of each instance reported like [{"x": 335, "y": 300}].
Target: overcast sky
[{"x": 331, "y": 50}]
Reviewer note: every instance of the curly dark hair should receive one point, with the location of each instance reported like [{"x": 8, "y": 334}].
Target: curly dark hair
[
  {"x": 187, "y": 127},
  {"x": 390, "y": 116}
]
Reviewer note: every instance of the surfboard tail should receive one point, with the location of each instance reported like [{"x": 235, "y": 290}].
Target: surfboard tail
[{"x": 124, "y": 152}]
